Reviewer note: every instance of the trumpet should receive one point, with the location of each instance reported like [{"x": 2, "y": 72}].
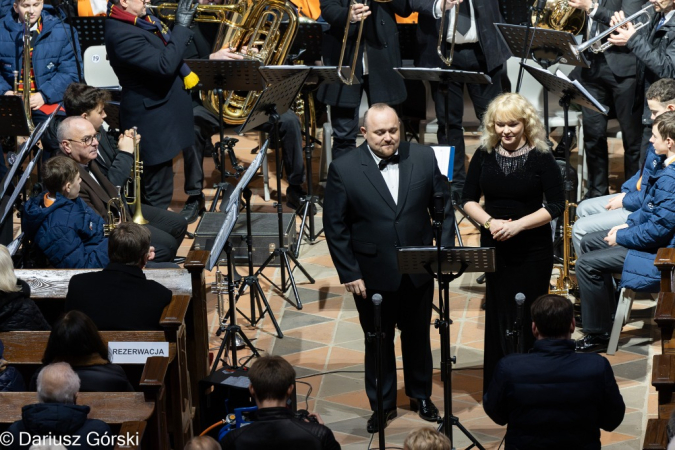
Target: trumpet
[
  {"x": 136, "y": 171},
  {"x": 117, "y": 213},
  {"x": 447, "y": 59},
  {"x": 594, "y": 43},
  {"x": 27, "y": 62}
]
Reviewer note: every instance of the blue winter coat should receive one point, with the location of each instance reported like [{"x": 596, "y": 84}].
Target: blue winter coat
[
  {"x": 652, "y": 167},
  {"x": 10, "y": 378},
  {"x": 651, "y": 227},
  {"x": 69, "y": 233},
  {"x": 53, "y": 61}
]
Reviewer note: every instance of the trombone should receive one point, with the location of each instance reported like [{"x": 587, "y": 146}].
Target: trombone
[
  {"x": 349, "y": 81},
  {"x": 594, "y": 43},
  {"x": 447, "y": 59}
]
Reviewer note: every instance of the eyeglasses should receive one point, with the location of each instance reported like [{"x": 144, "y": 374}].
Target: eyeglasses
[{"x": 87, "y": 140}]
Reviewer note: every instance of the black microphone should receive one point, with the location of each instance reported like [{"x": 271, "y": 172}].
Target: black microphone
[
  {"x": 520, "y": 301},
  {"x": 377, "y": 303},
  {"x": 541, "y": 4},
  {"x": 439, "y": 207}
]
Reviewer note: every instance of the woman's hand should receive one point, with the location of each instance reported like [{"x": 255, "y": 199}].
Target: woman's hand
[{"x": 509, "y": 229}]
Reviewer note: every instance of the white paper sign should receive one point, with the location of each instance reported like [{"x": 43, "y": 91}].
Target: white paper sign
[{"x": 135, "y": 352}]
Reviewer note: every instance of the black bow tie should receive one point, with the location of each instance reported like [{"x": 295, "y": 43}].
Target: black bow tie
[{"x": 391, "y": 160}]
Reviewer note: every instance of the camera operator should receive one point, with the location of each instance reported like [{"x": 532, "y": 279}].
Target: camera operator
[{"x": 274, "y": 424}]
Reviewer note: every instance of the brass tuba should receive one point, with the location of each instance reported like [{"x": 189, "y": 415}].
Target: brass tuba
[
  {"x": 27, "y": 60},
  {"x": 559, "y": 16},
  {"x": 136, "y": 171}
]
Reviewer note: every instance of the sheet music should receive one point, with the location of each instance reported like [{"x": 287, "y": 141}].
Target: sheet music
[{"x": 587, "y": 95}]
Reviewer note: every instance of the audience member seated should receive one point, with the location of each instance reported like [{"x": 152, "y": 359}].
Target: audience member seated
[
  {"x": 60, "y": 224},
  {"x": 426, "y": 439},
  {"x": 554, "y": 398},
  {"x": 274, "y": 425},
  {"x": 57, "y": 415},
  {"x": 120, "y": 297},
  {"x": 629, "y": 248},
  {"x": 17, "y": 311},
  {"x": 604, "y": 212},
  {"x": 202, "y": 443},
  {"x": 76, "y": 340},
  {"x": 10, "y": 378},
  {"x": 79, "y": 140}
]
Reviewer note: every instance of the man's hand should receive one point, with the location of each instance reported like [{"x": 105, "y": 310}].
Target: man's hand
[
  {"x": 185, "y": 12},
  {"x": 151, "y": 253},
  {"x": 36, "y": 101},
  {"x": 358, "y": 11},
  {"x": 357, "y": 287},
  {"x": 227, "y": 54},
  {"x": 449, "y": 4},
  {"x": 126, "y": 141},
  {"x": 611, "y": 236},
  {"x": 583, "y": 5},
  {"x": 616, "y": 202},
  {"x": 10, "y": 92},
  {"x": 317, "y": 417},
  {"x": 621, "y": 36}
]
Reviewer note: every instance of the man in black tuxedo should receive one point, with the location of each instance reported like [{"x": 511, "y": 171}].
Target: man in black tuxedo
[
  {"x": 478, "y": 48},
  {"x": 654, "y": 48},
  {"x": 379, "y": 197},
  {"x": 611, "y": 80},
  {"x": 120, "y": 297},
  {"x": 379, "y": 47},
  {"x": 148, "y": 61}
]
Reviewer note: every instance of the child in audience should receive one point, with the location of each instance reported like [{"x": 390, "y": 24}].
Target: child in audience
[
  {"x": 60, "y": 224},
  {"x": 426, "y": 439}
]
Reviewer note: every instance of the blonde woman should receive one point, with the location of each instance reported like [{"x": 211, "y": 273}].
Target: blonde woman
[
  {"x": 515, "y": 171},
  {"x": 17, "y": 311}
]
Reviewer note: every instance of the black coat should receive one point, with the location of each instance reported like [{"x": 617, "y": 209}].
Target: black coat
[
  {"x": 59, "y": 420},
  {"x": 19, "y": 313},
  {"x": 655, "y": 52},
  {"x": 364, "y": 226},
  {"x": 275, "y": 428},
  {"x": 380, "y": 35},
  {"x": 153, "y": 96},
  {"x": 487, "y": 14},
  {"x": 125, "y": 299},
  {"x": 96, "y": 376},
  {"x": 554, "y": 398}
]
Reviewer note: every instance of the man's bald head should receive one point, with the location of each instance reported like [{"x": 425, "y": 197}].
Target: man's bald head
[
  {"x": 58, "y": 383},
  {"x": 381, "y": 130},
  {"x": 73, "y": 134}
]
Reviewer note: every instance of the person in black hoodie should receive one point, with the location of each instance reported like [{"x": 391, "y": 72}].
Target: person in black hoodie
[
  {"x": 17, "y": 311},
  {"x": 76, "y": 340},
  {"x": 57, "y": 418}
]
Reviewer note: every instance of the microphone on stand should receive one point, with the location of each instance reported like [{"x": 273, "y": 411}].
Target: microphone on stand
[
  {"x": 439, "y": 207},
  {"x": 520, "y": 301},
  {"x": 377, "y": 303}
]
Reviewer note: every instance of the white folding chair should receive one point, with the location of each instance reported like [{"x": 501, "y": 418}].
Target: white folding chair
[{"x": 97, "y": 69}]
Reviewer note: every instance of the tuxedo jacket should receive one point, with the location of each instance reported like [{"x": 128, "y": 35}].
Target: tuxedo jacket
[
  {"x": 363, "y": 224},
  {"x": 486, "y": 13},
  {"x": 153, "y": 95}
]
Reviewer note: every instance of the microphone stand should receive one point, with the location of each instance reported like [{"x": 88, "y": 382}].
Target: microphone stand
[
  {"x": 541, "y": 4},
  {"x": 378, "y": 336},
  {"x": 516, "y": 335}
]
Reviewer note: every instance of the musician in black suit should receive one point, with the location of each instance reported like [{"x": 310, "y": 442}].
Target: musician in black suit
[
  {"x": 124, "y": 299},
  {"x": 654, "y": 48},
  {"x": 611, "y": 80},
  {"x": 379, "y": 47},
  {"x": 478, "y": 48},
  {"x": 368, "y": 213},
  {"x": 148, "y": 61}
]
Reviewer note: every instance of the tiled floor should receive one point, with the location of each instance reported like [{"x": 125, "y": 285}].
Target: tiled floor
[{"x": 324, "y": 342}]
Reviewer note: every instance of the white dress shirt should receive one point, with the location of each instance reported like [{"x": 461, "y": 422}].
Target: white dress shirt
[{"x": 390, "y": 175}]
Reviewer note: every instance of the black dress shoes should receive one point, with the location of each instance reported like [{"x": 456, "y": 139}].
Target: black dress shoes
[
  {"x": 193, "y": 208},
  {"x": 373, "y": 423},
  {"x": 426, "y": 409},
  {"x": 293, "y": 194},
  {"x": 593, "y": 343}
]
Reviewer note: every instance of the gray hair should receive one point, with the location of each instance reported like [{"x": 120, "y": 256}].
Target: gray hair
[
  {"x": 8, "y": 282},
  {"x": 57, "y": 383}
]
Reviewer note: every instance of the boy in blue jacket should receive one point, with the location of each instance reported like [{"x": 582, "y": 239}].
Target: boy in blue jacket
[
  {"x": 60, "y": 224},
  {"x": 629, "y": 248}
]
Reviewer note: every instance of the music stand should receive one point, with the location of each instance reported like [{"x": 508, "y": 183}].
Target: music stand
[
  {"x": 453, "y": 263},
  {"x": 220, "y": 76},
  {"x": 284, "y": 85},
  {"x": 6, "y": 206},
  {"x": 569, "y": 92},
  {"x": 90, "y": 30},
  {"x": 12, "y": 116},
  {"x": 307, "y": 42}
]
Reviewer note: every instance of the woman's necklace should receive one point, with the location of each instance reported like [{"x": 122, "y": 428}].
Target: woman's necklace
[{"x": 512, "y": 160}]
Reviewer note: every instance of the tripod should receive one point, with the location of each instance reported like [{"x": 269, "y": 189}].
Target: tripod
[
  {"x": 225, "y": 145},
  {"x": 281, "y": 251},
  {"x": 251, "y": 281}
]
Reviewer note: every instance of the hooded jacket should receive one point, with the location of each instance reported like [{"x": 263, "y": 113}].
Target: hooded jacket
[
  {"x": 68, "y": 423},
  {"x": 69, "y": 233},
  {"x": 19, "y": 313}
]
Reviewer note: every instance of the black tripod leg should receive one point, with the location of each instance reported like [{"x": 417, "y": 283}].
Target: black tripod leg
[
  {"x": 260, "y": 295},
  {"x": 291, "y": 279},
  {"x": 301, "y": 233},
  {"x": 302, "y": 269}
]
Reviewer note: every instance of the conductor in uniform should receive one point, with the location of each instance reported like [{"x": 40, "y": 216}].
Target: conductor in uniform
[{"x": 379, "y": 197}]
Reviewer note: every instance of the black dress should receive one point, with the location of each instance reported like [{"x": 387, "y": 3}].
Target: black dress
[{"x": 514, "y": 188}]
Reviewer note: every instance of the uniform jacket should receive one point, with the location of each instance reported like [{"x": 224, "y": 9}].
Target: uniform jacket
[
  {"x": 364, "y": 226},
  {"x": 53, "y": 60},
  {"x": 380, "y": 38},
  {"x": 19, "y": 313},
  {"x": 655, "y": 52},
  {"x": 153, "y": 95},
  {"x": 69, "y": 233},
  {"x": 652, "y": 167},
  {"x": 650, "y": 228},
  {"x": 553, "y": 398},
  {"x": 487, "y": 14}
]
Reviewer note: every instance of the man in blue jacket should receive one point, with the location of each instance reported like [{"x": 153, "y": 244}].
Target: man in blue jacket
[
  {"x": 552, "y": 397},
  {"x": 629, "y": 248},
  {"x": 54, "y": 57},
  {"x": 602, "y": 213}
]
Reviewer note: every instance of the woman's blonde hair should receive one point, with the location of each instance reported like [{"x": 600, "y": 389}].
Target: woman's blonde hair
[
  {"x": 8, "y": 281},
  {"x": 507, "y": 107},
  {"x": 426, "y": 439}
]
